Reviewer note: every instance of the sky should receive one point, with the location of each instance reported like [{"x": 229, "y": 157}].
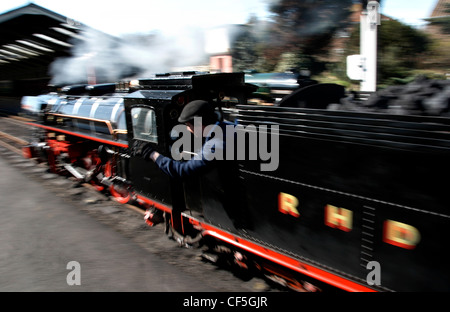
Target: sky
[
  {"x": 144, "y": 16},
  {"x": 409, "y": 11}
]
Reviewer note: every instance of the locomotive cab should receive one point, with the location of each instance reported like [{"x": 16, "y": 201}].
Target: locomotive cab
[
  {"x": 151, "y": 115},
  {"x": 148, "y": 122}
]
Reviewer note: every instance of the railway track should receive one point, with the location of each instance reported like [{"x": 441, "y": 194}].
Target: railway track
[
  {"x": 8, "y": 141},
  {"x": 14, "y": 132},
  {"x": 126, "y": 219}
]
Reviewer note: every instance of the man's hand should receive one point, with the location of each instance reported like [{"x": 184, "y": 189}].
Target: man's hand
[
  {"x": 147, "y": 151},
  {"x": 154, "y": 155},
  {"x": 143, "y": 151}
]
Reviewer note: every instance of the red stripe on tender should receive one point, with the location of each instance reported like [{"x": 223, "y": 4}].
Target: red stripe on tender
[{"x": 301, "y": 267}]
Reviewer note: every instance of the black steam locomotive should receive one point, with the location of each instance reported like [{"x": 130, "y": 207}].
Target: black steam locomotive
[{"x": 357, "y": 200}]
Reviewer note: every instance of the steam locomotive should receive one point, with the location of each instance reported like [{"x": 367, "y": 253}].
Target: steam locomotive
[{"x": 357, "y": 202}]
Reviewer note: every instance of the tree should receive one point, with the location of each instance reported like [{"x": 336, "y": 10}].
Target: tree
[
  {"x": 307, "y": 25},
  {"x": 300, "y": 30},
  {"x": 244, "y": 51}
]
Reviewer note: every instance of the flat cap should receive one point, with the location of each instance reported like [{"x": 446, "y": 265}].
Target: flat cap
[{"x": 197, "y": 108}]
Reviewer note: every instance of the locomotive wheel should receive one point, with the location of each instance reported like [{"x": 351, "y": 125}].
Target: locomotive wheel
[{"x": 121, "y": 194}]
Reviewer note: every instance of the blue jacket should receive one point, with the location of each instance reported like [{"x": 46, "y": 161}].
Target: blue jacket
[{"x": 181, "y": 169}]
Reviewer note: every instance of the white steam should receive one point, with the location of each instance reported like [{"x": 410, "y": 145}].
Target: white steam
[
  {"x": 98, "y": 57},
  {"x": 178, "y": 44}
]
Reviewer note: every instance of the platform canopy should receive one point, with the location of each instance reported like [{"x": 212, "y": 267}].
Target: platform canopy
[{"x": 31, "y": 38}]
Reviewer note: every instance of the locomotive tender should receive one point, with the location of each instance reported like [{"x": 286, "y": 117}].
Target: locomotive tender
[{"x": 357, "y": 202}]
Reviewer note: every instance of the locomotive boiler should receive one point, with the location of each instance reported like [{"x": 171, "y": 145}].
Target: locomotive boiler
[{"x": 357, "y": 201}]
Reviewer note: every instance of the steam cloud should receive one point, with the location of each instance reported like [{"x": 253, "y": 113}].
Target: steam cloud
[{"x": 105, "y": 58}]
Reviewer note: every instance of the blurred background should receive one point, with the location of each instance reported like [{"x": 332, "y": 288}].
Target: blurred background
[{"x": 68, "y": 42}]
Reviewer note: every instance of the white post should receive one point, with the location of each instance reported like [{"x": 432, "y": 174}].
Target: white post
[{"x": 370, "y": 19}]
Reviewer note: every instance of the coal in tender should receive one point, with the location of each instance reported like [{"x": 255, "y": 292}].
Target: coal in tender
[{"x": 424, "y": 97}]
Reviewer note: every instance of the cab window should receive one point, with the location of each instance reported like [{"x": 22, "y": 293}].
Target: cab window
[{"x": 144, "y": 124}]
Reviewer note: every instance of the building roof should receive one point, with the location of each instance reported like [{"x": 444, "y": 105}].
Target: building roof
[
  {"x": 31, "y": 37},
  {"x": 441, "y": 9}
]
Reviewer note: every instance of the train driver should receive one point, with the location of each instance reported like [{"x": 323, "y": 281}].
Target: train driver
[{"x": 211, "y": 145}]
